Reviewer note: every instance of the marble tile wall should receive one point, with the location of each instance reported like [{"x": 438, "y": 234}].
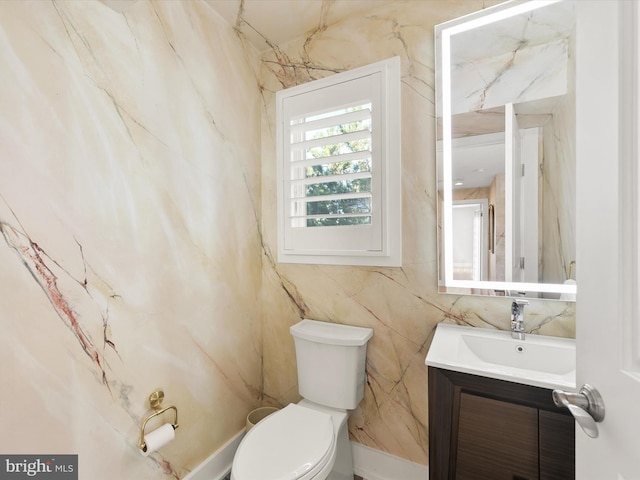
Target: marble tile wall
[
  {"x": 492, "y": 82},
  {"x": 558, "y": 205},
  {"x": 497, "y": 63},
  {"x": 130, "y": 247},
  {"x": 400, "y": 304}
]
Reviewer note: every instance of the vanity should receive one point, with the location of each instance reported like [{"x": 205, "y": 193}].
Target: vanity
[{"x": 491, "y": 410}]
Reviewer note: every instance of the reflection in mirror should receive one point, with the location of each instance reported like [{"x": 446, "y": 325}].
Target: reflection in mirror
[
  {"x": 506, "y": 151},
  {"x": 469, "y": 219}
]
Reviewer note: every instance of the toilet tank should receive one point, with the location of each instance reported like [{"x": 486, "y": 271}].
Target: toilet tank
[{"x": 331, "y": 361}]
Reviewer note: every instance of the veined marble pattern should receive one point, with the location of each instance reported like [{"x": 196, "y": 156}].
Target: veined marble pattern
[
  {"x": 559, "y": 206},
  {"x": 518, "y": 59},
  {"x": 125, "y": 137},
  {"x": 524, "y": 75}
]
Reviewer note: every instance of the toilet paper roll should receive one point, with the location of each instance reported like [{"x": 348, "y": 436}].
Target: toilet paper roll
[{"x": 158, "y": 438}]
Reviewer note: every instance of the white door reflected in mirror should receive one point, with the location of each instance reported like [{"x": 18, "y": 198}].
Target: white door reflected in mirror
[{"x": 470, "y": 255}]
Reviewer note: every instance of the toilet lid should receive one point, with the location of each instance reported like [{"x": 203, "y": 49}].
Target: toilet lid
[{"x": 287, "y": 445}]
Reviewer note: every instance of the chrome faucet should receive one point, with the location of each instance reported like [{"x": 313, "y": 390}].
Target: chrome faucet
[{"x": 517, "y": 319}]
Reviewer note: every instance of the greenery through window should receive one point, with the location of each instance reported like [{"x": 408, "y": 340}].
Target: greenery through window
[{"x": 339, "y": 180}]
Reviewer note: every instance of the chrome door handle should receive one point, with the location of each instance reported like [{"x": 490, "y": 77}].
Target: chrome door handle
[{"x": 586, "y": 406}]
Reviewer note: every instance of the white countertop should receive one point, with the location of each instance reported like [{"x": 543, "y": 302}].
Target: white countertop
[{"x": 538, "y": 360}]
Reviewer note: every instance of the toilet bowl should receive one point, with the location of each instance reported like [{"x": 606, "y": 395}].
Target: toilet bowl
[
  {"x": 310, "y": 440},
  {"x": 299, "y": 442}
]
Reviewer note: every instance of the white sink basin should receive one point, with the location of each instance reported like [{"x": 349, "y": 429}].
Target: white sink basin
[{"x": 541, "y": 361}]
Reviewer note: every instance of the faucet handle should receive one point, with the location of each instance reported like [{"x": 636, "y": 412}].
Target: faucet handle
[{"x": 521, "y": 302}]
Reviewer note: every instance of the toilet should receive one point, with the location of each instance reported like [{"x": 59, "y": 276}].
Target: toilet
[{"x": 310, "y": 439}]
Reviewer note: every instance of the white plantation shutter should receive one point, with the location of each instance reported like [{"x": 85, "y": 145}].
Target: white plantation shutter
[{"x": 339, "y": 168}]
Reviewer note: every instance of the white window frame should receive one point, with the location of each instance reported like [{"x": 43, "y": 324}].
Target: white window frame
[{"x": 377, "y": 244}]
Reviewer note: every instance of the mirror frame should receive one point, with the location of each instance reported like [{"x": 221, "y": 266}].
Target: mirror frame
[{"x": 443, "y": 34}]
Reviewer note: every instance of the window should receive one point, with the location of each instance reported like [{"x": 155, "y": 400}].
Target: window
[{"x": 339, "y": 168}]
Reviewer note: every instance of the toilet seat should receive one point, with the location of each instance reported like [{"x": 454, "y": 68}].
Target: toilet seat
[{"x": 294, "y": 443}]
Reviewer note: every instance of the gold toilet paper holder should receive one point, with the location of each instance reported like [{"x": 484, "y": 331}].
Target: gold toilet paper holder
[{"x": 155, "y": 400}]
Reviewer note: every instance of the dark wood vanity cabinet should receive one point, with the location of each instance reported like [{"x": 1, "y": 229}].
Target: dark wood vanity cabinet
[{"x": 487, "y": 429}]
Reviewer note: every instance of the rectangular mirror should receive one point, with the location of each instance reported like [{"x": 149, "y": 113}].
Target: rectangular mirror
[{"x": 505, "y": 88}]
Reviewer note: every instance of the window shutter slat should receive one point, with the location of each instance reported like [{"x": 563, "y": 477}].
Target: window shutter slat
[
  {"x": 334, "y": 215},
  {"x": 330, "y": 178},
  {"x": 343, "y": 157},
  {"x": 331, "y": 140},
  {"x": 332, "y": 197},
  {"x": 330, "y": 121}
]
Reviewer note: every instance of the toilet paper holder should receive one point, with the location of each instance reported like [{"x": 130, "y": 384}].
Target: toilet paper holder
[{"x": 155, "y": 400}]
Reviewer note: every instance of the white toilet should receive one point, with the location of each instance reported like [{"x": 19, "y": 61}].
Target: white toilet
[{"x": 310, "y": 439}]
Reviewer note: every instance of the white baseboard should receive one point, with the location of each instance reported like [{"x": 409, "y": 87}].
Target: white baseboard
[
  {"x": 373, "y": 464},
  {"x": 218, "y": 465},
  {"x": 368, "y": 463}
]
